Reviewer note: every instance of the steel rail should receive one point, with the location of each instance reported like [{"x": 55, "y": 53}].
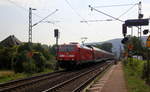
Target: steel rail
[
  {"x": 84, "y": 84},
  {"x": 26, "y": 81},
  {"x": 57, "y": 87}
]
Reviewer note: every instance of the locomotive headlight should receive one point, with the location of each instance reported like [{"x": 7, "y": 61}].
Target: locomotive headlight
[
  {"x": 61, "y": 55},
  {"x": 60, "y": 59},
  {"x": 71, "y": 55}
]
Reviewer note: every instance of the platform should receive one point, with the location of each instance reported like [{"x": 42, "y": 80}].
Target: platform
[{"x": 112, "y": 81}]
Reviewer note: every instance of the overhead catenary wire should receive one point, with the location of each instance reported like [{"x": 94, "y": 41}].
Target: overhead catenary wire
[
  {"x": 92, "y": 1},
  {"x": 45, "y": 18},
  {"x": 96, "y": 20},
  {"x": 105, "y": 14},
  {"x": 74, "y": 10},
  {"x": 12, "y": 2},
  {"x": 127, "y": 11},
  {"x": 114, "y": 5},
  {"x": 111, "y": 19}
]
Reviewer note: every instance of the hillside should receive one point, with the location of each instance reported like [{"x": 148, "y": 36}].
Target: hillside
[{"x": 117, "y": 45}]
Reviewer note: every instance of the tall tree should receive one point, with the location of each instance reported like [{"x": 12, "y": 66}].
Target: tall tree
[{"x": 137, "y": 45}]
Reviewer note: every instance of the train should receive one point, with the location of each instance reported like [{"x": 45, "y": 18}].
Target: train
[{"x": 74, "y": 54}]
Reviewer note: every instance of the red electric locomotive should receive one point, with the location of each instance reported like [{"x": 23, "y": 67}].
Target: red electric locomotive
[{"x": 73, "y": 54}]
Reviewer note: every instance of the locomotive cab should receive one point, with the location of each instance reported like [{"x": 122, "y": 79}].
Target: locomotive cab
[{"x": 67, "y": 54}]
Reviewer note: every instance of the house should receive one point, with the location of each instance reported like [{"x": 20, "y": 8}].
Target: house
[{"x": 10, "y": 41}]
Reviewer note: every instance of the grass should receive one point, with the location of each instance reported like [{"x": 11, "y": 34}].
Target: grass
[
  {"x": 133, "y": 73},
  {"x": 8, "y": 75}
]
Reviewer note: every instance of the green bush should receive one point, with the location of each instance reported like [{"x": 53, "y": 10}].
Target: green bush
[
  {"x": 133, "y": 71},
  {"x": 146, "y": 72},
  {"x": 26, "y": 57},
  {"x": 6, "y": 56},
  {"x": 40, "y": 61},
  {"x": 23, "y": 63},
  {"x": 31, "y": 58},
  {"x": 39, "y": 48},
  {"x": 25, "y": 47},
  {"x": 30, "y": 67},
  {"x": 135, "y": 65}
]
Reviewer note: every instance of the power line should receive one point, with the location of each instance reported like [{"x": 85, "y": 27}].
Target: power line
[
  {"x": 127, "y": 10},
  {"x": 12, "y": 2},
  {"x": 45, "y": 18},
  {"x": 105, "y": 14},
  {"x": 110, "y": 19},
  {"x": 115, "y": 5},
  {"x": 96, "y": 20},
  {"x": 92, "y": 1},
  {"x": 75, "y": 10}
]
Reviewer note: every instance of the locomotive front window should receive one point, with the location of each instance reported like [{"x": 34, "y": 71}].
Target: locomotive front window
[{"x": 66, "y": 48}]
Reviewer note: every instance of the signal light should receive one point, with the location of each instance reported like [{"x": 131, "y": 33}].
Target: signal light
[
  {"x": 56, "y": 32},
  {"x": 141, "y": 16},
  {"x": 145, "y": 31},
  {"x": 124, "y": 40},
  {"x": 124, "y": 30},
  {"x": 137, "y": 22}
]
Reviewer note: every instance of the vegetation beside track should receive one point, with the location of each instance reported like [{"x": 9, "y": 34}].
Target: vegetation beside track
[
  {"x": 133, "y": 70},
  {"x": 25, "y": 60},
  {"x": 8, "y": 75}
]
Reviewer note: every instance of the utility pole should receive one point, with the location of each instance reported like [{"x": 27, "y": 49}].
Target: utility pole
[
  {"x": 30, "y": 25},
  {"x": 140, "y": 16}
]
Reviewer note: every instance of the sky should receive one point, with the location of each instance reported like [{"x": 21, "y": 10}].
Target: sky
[{"x": 14, "y": 19}]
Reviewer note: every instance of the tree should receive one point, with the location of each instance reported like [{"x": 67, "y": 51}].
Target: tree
[
  {"x": 26, "y": 57},
  {"x": 6, "y": 56},
  {"x": 40, "y": 61},
  {"x": 136, "y": 44},
  {"x": 53, "y": 50},
  {"x": 32, "y": 58},
  {"x": 25, "y": 46}
]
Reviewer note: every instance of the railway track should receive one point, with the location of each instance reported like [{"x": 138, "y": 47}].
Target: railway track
[
  {"x": 18, "y": 84},
  {"x": 79, "y": 82},
  {"x": 66, "y": 81}
]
